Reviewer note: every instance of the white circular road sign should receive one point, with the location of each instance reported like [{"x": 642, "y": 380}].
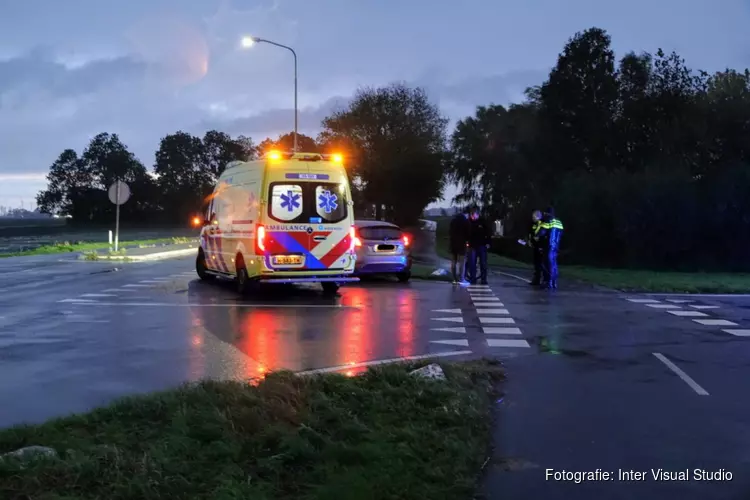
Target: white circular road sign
[{"x": 118, "y": 198}]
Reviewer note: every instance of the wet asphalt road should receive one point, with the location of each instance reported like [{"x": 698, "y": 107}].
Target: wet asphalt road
[
  {"x": 74, "y": 335},
  {"x": 597, "y": 397},
  {"x": 585, "y": 389}
]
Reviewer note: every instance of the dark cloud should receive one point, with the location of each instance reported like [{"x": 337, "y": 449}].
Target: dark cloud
[
  {"x": 38, "y": 69},
  {"x": 278, "y": 121}
]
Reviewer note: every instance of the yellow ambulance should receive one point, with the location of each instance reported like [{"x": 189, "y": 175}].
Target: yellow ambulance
[{"x": 286, "y": 218}]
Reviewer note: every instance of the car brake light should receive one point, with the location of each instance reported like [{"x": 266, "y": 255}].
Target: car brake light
[
  {"x": 356, "y": 242},
  {"x": 406, "y": 240},
  {"x": 260, "y": 240}
]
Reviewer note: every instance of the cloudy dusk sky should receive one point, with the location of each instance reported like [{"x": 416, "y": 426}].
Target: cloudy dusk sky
[{"x": 70, "y": 69}]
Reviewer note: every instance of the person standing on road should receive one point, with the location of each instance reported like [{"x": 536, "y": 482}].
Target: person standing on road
[
  {"x": 536, "y": 247},
  {"x": 458, "y": 234},
  {"x": 480, "y": 237},
  {"x": 550, "y": 234}
]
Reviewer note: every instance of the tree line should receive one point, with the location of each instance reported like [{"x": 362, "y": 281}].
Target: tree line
[
  {"x": 645, "y": 160},
  {"x": 393, "y": 138}
]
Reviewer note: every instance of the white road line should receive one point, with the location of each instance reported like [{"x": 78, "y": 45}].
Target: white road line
[
  {"x": 239, "y": 305},
  {"x": 501, "y": 330},
  {"x": 458, "y": 342},
  {"x": 447, "y": 311},
  {"x": 722, "y": 295},
  {"x": 79, "y": 301},
  {"x": 512, "y": 276},
  {"x": 663, "y": 306},
  {"x": 679, "y": 301},
  {"x": 684, "y": 376},
  {"x": 643, "y": 301},
  {"x": 688, "y": 313},
  {"x": 507, "y": 343},
  {"x": 83, "y": 320},
  {"x": 340, "y": 368},
  {"x": 458, "y": 319},
  {"x": 496, "y": 321},
  {"x": 118, "y": 290},
  {"x": 738, "y": 332},
  {"x": 98, "y": 295},
  {"x": 485, "y": 299},
  {"x": 715, "y": 322},
  {"x": 704, "y": 307},
  {"x": 492, "y": 311},
  {"x": 136, "y": 286},
  {"x": 452, "y": 329},
  {"x": 151, "y": 281},
  {"x": 478, "y": 287},
  {"x": 488, "y": 294}
]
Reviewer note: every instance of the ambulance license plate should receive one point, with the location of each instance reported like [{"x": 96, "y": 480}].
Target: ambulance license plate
[{"x": 287, "y": 260}]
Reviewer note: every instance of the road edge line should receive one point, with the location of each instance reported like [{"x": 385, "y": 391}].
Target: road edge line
[
  {"x": 684, "y": 376},
  {"x": 511, "y": 275},
  {"x": 383, "y": 362}
]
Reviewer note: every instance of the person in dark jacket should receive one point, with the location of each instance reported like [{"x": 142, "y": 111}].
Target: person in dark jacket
[
  {"x": 480, "y": 237},
  {"x": 550, "y": 235},
  {"x": 458, "y": 235},
  {"x": 536, "y": 247}
]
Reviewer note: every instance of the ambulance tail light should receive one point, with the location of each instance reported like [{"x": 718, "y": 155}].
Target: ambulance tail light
[
  {"x": 356, "y": 242},
  {"x": 260, "y": 240}
]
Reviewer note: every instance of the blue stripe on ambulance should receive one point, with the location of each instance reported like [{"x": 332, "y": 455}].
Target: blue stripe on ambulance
[{"x": 292, "y": 245}]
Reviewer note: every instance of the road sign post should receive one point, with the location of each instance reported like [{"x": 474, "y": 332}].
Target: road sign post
[{"x": 119, "y": 193}]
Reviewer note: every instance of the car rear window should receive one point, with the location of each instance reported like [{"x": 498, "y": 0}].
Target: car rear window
[{"x": 379, "y": 233}]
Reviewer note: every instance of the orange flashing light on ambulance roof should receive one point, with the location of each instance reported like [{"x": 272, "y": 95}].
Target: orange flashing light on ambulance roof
[
  {"x": 274, "y": 155},
  {"x": 337, "y": 158},
  {"x": 196, "y": 221}
]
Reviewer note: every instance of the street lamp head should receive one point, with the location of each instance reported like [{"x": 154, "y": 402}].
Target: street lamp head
[{"x": 249, "y": 41}]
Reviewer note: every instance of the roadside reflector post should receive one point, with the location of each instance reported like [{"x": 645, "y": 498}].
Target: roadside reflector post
[{"x": 110, "y": 237}]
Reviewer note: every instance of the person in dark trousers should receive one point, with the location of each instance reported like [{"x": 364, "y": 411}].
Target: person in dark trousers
[
  {"x": 458, "y": 235},
  {"x": 480, "y": 237},
  {"x": 536, "y": 247},
  {"x": 550, "y": 234}
]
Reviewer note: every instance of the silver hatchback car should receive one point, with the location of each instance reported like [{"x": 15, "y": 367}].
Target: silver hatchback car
[{"x": 382, "y": 248}]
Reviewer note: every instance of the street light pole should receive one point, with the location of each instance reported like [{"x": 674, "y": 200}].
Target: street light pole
[{"x": 247, "y": 41}]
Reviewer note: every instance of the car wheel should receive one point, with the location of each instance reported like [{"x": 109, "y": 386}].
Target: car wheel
[
  {"x": 242, "y": 281},
  {"x": 330, "y": 287},
  {"x": 200, "y": 267},
  {"x": 404, "y": 277}
]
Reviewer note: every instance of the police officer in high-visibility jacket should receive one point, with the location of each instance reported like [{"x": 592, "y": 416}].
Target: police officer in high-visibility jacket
[
  {"x": 535, "y": 244},
  {"x": 550, "y": 235}
]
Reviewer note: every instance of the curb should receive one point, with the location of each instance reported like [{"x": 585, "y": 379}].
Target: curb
[{"x": 154, "y": 256}]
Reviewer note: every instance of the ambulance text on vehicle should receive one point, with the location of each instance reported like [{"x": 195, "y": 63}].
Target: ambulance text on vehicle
[{"x": 287, "y": 218}]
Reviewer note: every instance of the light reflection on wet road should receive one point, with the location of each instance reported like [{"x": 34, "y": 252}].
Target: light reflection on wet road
[
  {"x": 96, "y": 333},
  {"x": 376, "y": 321}
]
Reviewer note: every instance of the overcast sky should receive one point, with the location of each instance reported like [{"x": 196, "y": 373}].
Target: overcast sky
[{"x": 70, "y": 69}]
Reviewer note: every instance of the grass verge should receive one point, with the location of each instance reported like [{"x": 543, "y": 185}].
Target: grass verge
[
  {"x": 653, "y": 281},
  {"x": 631, "y": 280},
  {"x": 424, "y": 272},
  {"x": 88, "y": 247},
  {"x": 381, "y": 435}
]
